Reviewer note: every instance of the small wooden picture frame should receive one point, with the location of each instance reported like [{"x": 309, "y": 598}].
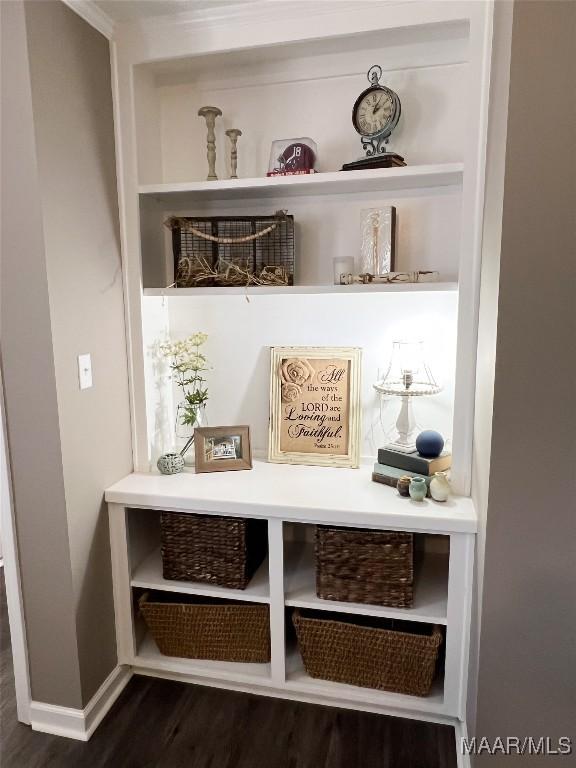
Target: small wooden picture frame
[
  {"x": 221, "y": 449},
  {"x": 315, "y": 411}
]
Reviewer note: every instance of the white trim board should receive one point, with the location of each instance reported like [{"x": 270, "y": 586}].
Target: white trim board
[
  {"x": 94, "y": 15},
  {"x": 293, "y": 694},
  {"x": 80, "y": 724},
  {"x": 461, "y": 732},
  {"x": 11, "y": 565}
]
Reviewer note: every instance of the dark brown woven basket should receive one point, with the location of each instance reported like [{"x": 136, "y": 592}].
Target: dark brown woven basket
[
  {"x": 219, "y": 550},
  {"x": 368, "y": 656},
  {"x": 356, "y": 565},
  {"x": 221, "y": 632}
]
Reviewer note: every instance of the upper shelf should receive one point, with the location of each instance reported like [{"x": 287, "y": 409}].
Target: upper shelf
[
  {"x": 182, "y": 195},
  {"x": 263, "y": 290}
]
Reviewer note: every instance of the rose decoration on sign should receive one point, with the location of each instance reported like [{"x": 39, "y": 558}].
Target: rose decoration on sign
[
  {"x": 296, "y": 370},
  {"x": 290, "y": 392}
]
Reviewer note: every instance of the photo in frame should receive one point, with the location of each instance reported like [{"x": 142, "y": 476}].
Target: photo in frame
[
  {"x": 221, "y": 449},
  {"x": 315, "y": 411}
]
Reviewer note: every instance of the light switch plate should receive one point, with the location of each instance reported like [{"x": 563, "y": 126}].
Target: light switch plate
[{"x": 85, "y": 371}]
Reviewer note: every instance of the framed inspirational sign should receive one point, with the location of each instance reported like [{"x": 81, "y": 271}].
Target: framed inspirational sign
[{"x": 315, "y": 406}]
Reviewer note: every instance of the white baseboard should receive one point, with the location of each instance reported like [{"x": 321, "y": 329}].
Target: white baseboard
[
  {"x": 462, "y": 758},
  {"x": 80, "y": 724}
]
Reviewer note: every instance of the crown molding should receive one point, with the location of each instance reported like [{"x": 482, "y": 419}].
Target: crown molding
[
  {"x": 94, "y": 15},
  {"x": 279, "y": 11}
]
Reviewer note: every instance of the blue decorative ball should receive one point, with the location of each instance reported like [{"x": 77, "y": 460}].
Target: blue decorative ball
[{"x": 429, "y": 444}]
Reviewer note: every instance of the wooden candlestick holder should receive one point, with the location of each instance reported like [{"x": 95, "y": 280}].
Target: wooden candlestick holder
[
  {"x": 210, "y": 114},
  {"x": 233, "y": 134}
]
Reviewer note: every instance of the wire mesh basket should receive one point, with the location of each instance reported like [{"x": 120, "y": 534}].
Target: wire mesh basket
[{"x": 233, "y": 250}]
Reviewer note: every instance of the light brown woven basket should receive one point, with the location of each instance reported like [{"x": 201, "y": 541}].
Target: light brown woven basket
[
  {"x": 191, "y": 629},
  {"x": 209, "y": 548},
  {"x": 356, "y": 565},
  {"x": 367, "y": 656}
]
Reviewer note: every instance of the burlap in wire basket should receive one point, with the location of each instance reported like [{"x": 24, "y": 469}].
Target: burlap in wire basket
[
  {"x": 233, "y": 250},
  {"x": 344, "y": 651},
  {"x": 191, "y": 628},
  {"x": 219, "y": 550},
  {"x": 356, "y": 565}
]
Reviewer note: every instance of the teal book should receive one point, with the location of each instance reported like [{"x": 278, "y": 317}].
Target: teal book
[
  {"x": 413, "y": 462},
  {"x": 390, "y": 475}
]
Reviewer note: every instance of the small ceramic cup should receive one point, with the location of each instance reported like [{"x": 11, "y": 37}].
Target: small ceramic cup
[
  {"x": 418, "y": 489},
  {"x": 439, "y": 486},
  {"x": 170, "y": 463},
  {"x": 403, "y": 485}
]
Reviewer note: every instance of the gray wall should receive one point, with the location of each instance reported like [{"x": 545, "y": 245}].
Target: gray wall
[
  {"x": 488, "y": 315},
  {"x": 30, "y": 390},
  {"x": 72, "y": 102},
  {"x": 75, "y": 264},
  {"x": 527, "y": 653}
]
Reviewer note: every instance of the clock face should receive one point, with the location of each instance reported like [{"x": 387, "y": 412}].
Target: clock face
[{"x": 375, "y": 111}]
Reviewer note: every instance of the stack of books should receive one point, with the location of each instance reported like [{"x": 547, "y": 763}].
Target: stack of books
[{"x": 391, "y": 465}]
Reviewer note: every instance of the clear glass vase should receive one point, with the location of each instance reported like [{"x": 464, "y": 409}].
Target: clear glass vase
[{"x": 184, "y": 432}]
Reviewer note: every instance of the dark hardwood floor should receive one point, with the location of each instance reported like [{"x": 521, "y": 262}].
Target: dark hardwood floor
[{"x": 162, "y": 724}]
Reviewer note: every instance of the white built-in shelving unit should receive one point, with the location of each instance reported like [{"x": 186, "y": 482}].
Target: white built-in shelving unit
[
  {"x": 293, "y": 500},
  {"x": 274, "y": 77}
]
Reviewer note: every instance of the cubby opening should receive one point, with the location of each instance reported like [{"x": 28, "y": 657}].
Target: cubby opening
[
  {"x": 297, "y": 671},
  {"x": 431, "y": 555},
  {"x": 149, "y": 655},
  {"x": 146, "y": 565},
  {"x": 258, "y": 90}
]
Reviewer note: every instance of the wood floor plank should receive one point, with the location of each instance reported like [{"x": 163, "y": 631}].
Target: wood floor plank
[{"x": 163, "y": 724}]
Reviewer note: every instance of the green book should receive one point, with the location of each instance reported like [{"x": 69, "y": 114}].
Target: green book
[{"x": 413, "y": 462}]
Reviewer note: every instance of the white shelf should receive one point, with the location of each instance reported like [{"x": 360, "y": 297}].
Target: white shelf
[
  {"x": 149, "y": 657},
  {"x": 148, "y": 575},
  {"x": 181, "y": 195},
  {"x": 430, "y": 589},
  {"x": 295, "y": 493},
  {"x": 298, "y": 683},
  {"x": 298, "y": 679},
  {"x": 302, "y": 289}
]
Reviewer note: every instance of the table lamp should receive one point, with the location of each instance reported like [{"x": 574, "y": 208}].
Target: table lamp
[{"x": 408, "y": 376}]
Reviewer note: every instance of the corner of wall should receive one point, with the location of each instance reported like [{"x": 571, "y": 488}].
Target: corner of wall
[
  {"x": 488, "y": 315},
  {"x": 32, "y": 418}
]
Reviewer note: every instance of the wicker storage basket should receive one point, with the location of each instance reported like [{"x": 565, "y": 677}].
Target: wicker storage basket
[
  {"x": 372, "y": 657},
  {"x": 355, "y": 565},
  {"x": 194, "y": 629},
  {"x": 219, "y": 550}
]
